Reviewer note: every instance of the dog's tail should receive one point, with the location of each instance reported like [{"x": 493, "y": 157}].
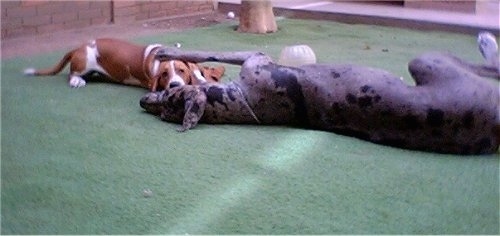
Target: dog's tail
[{"x": 51, "y": 71}]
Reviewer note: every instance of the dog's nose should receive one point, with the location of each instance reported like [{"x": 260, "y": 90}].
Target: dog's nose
[{"x": 174, "y": 84}]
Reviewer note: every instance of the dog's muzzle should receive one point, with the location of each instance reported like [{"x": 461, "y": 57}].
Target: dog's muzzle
[{"x": 151, "y": 102}]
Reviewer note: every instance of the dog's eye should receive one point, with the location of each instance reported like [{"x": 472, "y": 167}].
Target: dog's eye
[
  {"x": 182, "y": 70},
  {"x": 164, "y": 74}
]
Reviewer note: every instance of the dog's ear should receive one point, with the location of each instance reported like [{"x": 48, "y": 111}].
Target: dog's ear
[
  {"x": 213, "y": 74},
  {"x": 192, "y": 77},
  {"x": 153, "y": 84}
]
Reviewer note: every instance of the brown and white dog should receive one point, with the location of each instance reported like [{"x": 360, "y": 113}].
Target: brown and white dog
[{"x": 122, "y": 62}]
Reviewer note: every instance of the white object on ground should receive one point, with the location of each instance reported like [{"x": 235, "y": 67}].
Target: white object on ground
[{"x": 297, "y": 55}]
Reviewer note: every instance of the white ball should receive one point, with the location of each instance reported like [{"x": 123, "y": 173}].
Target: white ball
[
  {"x": 230, "y": 15},
  {"x": 297, "y": 55}
]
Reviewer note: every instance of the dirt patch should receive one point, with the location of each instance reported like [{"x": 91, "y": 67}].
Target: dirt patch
[
  {"x": 187, "y": 22},
  {"x": 32, "y": 45}
]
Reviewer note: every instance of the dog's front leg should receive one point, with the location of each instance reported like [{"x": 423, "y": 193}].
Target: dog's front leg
[
  {"x": 194, "y": 108},
  {"x": 235, "y": 58}
]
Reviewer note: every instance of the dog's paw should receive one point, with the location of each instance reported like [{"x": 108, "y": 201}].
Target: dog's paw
[
  {"x": 77, "y": 82},
  {"x": 181, "y": 129},
  {"x": 488, "y": 47},
  {"x": 29, "y": 71}
]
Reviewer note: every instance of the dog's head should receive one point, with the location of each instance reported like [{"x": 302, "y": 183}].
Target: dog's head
[{"x": 174, "y": 73}]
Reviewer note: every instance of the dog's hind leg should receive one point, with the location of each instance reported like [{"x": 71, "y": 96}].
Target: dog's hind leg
[
  {"x": 75, "y": 77},
  {"x": 488, "y": 47},
  {"x": 77, "y": 70}
]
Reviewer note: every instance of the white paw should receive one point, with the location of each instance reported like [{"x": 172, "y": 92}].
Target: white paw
[
  {"x": 29, "y": 71},
  {"x": 77, "y": 82},
  {"x": 488, "y": 47}
]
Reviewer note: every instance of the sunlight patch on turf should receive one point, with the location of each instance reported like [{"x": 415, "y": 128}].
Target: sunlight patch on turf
[
  {"x": 290, "y": 151},
  {"x": 215, "y": 205}
]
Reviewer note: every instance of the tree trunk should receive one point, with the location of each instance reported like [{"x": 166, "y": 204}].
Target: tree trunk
[{"x": 257, "y": 17}]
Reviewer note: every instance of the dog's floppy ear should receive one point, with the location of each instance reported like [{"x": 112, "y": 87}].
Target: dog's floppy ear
[
  {"x": 192, "y": 76},
  {"x": 213, "y": 74}
]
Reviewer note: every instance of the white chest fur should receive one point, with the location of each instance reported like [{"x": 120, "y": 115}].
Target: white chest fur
[{"x": 92, "y": 55}]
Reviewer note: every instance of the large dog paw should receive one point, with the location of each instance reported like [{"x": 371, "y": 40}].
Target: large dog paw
[
  {"x": 77, "y": 82},
  {"x": 488, "y": 47}
]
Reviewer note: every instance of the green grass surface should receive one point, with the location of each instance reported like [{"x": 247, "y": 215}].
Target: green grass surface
[{"x": 76, "y": 161}]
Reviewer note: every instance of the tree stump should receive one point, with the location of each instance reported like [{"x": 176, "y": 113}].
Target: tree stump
[{"x": 257, "y": 17}]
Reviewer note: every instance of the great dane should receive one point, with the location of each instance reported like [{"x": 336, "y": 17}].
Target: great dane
[{"x": 452, "y": 109}]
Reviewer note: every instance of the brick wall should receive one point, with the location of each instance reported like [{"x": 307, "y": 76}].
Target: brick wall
[
  {"x": 30, "y": 17},
  {"x": 128, "y": 11}
]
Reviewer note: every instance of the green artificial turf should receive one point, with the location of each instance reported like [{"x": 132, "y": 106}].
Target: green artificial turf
[{"x": 76, "y": 161}]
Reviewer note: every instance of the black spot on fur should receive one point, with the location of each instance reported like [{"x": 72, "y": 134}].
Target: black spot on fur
[
  {"x": 230, "y": 94},
  {"x": 195, "y": 108},
  {"x": 350, "y": 98},
  {"x": 215, "y": 94},
  {"x": 335, "y": 75},
  {"x": 212, "y": 59},
  {"x": 435, "y": 117},
  {"x": 365, "y": 88},
  {"x": 286, "y": 78}
]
